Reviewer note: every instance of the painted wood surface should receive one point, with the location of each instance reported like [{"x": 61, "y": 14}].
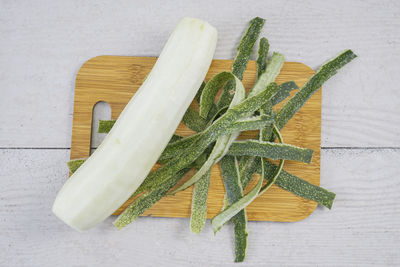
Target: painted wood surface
[
  {"x": 362, "y": 229},
  {"x": 42, "y": 46},
  {"x": 44, "y": 43}
]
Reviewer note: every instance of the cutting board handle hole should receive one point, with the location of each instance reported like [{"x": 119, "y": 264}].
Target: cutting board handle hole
[{"x": 101, "y": 111}]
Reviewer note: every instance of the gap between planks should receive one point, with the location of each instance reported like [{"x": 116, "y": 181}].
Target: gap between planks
[{"x": 322, "y": 148}]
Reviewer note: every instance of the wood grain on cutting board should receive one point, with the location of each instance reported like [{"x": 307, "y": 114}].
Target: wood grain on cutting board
[{"x": 114, "y": 79}]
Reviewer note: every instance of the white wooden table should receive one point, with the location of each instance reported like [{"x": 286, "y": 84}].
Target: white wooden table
[{"x": 43, "y": 44}]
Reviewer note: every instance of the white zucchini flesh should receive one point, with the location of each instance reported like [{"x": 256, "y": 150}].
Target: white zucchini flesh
[{"x": 125, "y": 157}]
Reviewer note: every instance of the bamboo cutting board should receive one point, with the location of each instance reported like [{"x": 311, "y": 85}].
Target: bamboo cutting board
[{"x": 114, "y": 79}]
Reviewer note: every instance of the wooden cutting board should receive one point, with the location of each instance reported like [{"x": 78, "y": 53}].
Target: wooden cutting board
[{"x": 114, "y": 79}]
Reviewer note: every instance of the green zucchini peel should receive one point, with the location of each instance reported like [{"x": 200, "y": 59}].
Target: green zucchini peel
[
  {"x": 270, "y": 150},
  {"x": 311, "y": 86},
  {"x": 219, "y": 220},
  {"x": 231, "y": 178},
  {"x": 193, "y": 121},
  {"x": 263, "y": 49},
  {"x": 284, "y": 92},
  {"x": 300, "y": 187},
  {"x": 146, "y": 200},
  {"x": 199, "y": 203},
  {"x": 269, "y": 75},
  {"x": 243, "y": 55},
  {"x": 278, "y": 171},
  {"x": 74, "y": 164},
  {"x": 105, "y": 126}
]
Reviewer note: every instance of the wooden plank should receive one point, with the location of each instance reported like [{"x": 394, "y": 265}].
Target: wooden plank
[
  {"x": 360, "y": 108},
  {"x": 115, "y": 79},
  {"x": 361, "y": 105},
  {"x": 362, "y": 229}
]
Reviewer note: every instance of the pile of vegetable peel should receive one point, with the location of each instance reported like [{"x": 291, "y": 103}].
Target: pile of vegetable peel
[{"x": 221, "y": 117}]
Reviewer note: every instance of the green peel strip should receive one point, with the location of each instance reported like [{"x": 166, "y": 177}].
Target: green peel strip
[
  {"x": 211, "y": 89},
  {"x": 262, "y": 56},
  {"x": 269, "y": 75},
  {"x": 270, "y": 150},
  {"x": 176, "y": 148},
  {"x": 145, "y": 201},
  {"x": 200, "y": 91},
  {"x": 313, "y": 84},
  {"x": 199, "y": 203},
  {"x": 278, "y": 171},
  {"x": 284, "y": 92},
  {"x": 74, "y": 164},
  {"x": 300, "y": 187},
  {"x": 193, "y": 120},
  {"x": 105, "y": 126},
  {"x": 239, "y": 64},
  {"x": 219, "y": 220},
  {"x": 247, "y": 167},
  {"x": 231, "y": 178}
]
